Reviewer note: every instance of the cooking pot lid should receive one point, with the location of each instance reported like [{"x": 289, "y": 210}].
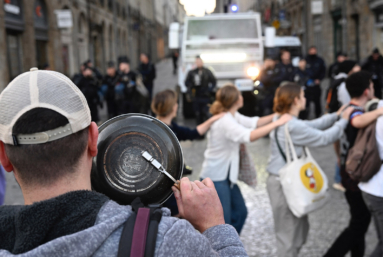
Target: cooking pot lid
[{"x": 122, "y": 170}]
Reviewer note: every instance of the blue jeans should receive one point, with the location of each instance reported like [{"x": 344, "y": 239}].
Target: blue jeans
[
  {"x": 234, "y": 208},
  {"x": 337, "y": 177},
  {"x": 2, "y": 185}
]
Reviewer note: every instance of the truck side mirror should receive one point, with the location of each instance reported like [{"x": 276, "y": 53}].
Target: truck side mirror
[
  {"x": 270, "y": 33},
  {"x": 174, "y": 32}
]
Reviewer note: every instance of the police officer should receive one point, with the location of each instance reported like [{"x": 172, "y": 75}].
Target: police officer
[
  {"x": 126, "y": 95},
  {"x": 109, "y": 83},
  {"x": 148, "y": 73},
  {"x": 200, "y": 83},
  {"x": 285, "y": 70},
  {"x": 88, "y": 85},
  {"x": 97, "y": 74},
  {"x": 374, "y": 64},
  {"x": 317, "y": 70},
  {"x": 334, "y": 68},
  {"x": 302, "y": 78},
  {"x": 270, "y": 82}
]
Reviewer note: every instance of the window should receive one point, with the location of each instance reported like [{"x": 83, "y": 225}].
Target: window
[
  {"x": 110, "y": 5},
  {"x": 201, "y": 30}
]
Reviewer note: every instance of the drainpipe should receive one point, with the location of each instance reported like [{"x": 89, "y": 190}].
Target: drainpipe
[
  {"x": 130, "y": 32},
  {"x": 344, "y": 25},
  {"x": 115, "y": 40},
  {"x": 306, "y": 11},
  {"x": 90, "y": 43}
]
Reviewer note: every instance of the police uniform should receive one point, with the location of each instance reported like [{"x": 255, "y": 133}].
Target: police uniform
[
  {"x": 316, "y": 69},
  {"x": 201, "y": 83},
  {"x": 126, "y": 94}
]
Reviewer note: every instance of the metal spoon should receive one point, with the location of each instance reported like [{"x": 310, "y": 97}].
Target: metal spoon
[{"x": 159, "y": 167}]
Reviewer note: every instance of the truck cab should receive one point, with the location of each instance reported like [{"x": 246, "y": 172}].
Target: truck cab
[{"x": 231, "y": 46}]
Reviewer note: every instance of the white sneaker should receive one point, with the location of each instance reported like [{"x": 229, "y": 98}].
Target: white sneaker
[{"x": 338, "y": 186}]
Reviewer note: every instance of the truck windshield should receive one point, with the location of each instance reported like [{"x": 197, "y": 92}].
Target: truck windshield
[{"x": 203, "y": 30}]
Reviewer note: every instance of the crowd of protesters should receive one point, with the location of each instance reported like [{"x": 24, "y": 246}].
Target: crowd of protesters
[{"x": 288, "y": 92}]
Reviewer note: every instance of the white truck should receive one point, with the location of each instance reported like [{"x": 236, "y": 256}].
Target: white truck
[
  {"x": 274, "y": 44},
  {"x": 230, "y": 45}
]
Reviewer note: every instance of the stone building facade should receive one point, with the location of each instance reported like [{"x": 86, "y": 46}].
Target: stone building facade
[
  {"x": 167, "y": 11},
  {"x": 102, "y": 30},
  {"x": 341, "y": 25}
]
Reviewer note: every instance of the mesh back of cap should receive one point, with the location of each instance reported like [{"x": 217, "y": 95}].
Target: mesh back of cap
[{"x": 42, "y": 89}]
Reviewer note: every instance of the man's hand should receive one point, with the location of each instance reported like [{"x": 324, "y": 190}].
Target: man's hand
[
  {"x": 198, "y": 203},
  {"x": 317, "y": 82}
]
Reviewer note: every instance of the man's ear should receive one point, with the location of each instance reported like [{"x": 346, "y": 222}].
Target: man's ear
[
  {"x": 4, "y": 158},
  {"x": 92, "y": 139}
]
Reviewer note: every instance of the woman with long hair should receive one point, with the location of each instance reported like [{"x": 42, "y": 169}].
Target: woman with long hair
[
  {"x": 291, "y": 232},
  {"x": 165, "y": 106},
  {"x": 221, "y": 162}
]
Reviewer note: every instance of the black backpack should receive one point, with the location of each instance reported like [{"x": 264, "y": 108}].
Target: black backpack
[
  {"x": 333, "y": 104},
  {"x": 139, "y": 235}
]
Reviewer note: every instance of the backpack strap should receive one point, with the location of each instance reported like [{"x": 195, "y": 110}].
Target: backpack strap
[
  {"x": 126, "y": 238},
  {"x": 151, "y": 238},
  {"x": 279, "y": 146},
  {"x": 139, "y": 235}
]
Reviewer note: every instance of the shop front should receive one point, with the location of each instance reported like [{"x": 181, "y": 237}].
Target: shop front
[
  {"x": 41, "y": 33},
  {"x": 377, "y": 8},
  {"x": 14, "y": 24}
]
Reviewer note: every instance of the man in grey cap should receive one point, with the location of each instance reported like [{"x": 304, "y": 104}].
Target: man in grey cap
[{"x": 48, "y": 141}]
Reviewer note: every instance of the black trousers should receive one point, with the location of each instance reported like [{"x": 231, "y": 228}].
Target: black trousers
[
  {"x": 112, "y": 108},
  {"x": 313, "y": 94},
  {"x": 149, "y": 87},
  {"x": 352, "y": 238},
  {"x": 378, "y": 88},
  {"x": 201, "y": 108}
]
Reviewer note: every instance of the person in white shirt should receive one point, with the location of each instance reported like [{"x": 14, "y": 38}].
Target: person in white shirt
[
  {"x": 221, "y": 162},
  {"x": 372, "y": 190},
  {"x": 346, "y": 68}
]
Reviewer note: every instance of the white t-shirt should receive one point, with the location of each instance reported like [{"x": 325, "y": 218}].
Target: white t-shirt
[
  {"x": 343, "y": 95},
  {"x": 224, "y": 139},
  {"x": 375, "y": 185}
]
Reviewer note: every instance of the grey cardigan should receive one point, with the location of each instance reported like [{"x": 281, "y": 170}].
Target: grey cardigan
[{"x": 319, "y": 132}]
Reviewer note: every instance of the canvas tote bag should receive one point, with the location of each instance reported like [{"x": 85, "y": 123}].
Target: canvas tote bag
[
  {"x": 304, "y": 184},
  {"x": 247, "y": 172}
]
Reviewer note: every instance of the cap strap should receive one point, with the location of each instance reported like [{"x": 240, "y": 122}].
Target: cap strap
[{"x": 43, "y": 137}]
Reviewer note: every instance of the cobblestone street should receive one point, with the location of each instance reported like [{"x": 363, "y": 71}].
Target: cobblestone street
[{"x": 258, "y": 235}]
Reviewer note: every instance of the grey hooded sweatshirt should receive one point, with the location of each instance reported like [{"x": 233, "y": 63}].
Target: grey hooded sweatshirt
[{"x": 175, "y": 237}]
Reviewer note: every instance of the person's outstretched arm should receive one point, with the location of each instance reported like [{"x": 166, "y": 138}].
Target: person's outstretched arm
[
  {"x": 363, "y": 120},
  {"x": 326, "y": 121},
  {"x": 265, "y": 130},
  {"x": 302, "y": 135},
  {"x": 204, "y": 127},
  {"x": 265, "y": 120}
]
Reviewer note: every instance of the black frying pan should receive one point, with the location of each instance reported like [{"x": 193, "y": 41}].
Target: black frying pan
[{"x": 122, "y": 173}]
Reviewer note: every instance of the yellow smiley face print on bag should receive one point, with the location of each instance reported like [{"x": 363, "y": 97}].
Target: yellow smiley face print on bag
[{"x": 311, "y": 178}]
